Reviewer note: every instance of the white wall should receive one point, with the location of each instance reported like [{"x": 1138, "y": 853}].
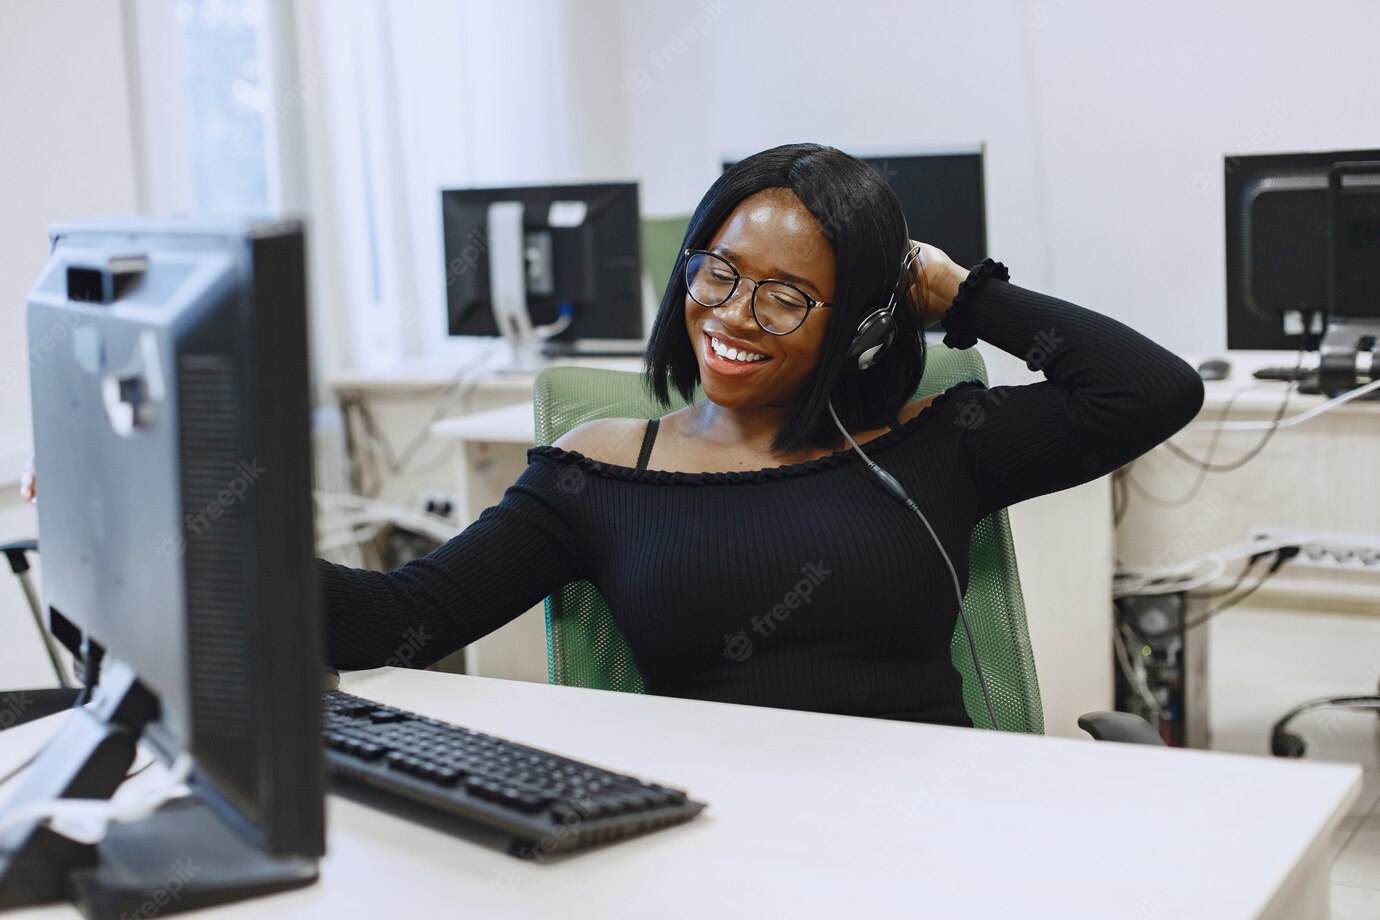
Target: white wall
[
  {"x": 67, "y": 153},
  {"x": 1105, "y": 123}
]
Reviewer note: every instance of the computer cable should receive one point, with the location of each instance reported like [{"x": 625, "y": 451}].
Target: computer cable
[
  {"x": 347, "y": 521},
  {"x": 894, "y": 487},
  {"x": 1241, "y": 577},
  {"x": 1203, "y": 467},
  {"x": 1302, "y": 417},
  {"x": 1282, "y": 555},
  {"x": 87, "y": 820},
  {"x": 1206, "y": 465},
  {"x": 380, "y": 453}
]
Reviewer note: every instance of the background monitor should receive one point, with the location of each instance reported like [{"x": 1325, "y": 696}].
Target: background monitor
[
  {"x": 942, "y": 195},
  {"x": 581, "y": 249},
  {"x": 1277, "y": 231},
  {"x": 1354, "y": 216},
  {"x": 171, "y": 431}
]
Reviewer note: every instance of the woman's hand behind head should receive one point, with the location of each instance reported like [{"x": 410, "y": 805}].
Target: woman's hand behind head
[{"x": 934, "y": 281}]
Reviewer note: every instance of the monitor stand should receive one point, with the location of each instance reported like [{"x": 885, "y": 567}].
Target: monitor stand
[
  {"x": 184, "y": 856},
  {"x": 1349, "y": 355}
]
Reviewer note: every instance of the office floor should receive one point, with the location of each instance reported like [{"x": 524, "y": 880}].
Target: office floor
[{"x": 1264, "y": 662}]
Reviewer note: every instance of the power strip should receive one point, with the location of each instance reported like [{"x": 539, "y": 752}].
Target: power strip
[{"x": 1357, "y": 552}]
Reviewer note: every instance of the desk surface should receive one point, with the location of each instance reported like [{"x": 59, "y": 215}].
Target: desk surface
[
  {"x": 820, "y": 815},
  {"x": 515, "y": 424},
  {"x": 431, "y": 374}
]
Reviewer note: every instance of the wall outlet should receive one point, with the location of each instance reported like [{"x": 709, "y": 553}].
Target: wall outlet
[
  {"x": 1327, "y": 549},
  {"x": 441, "y": 504}
]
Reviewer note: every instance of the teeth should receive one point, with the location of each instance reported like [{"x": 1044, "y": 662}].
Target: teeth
[{"x": 733, "y": 354}]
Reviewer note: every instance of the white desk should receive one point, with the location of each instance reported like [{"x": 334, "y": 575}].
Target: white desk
[
  {"x": 1319, "y": 475},
  {"x": 816, "y": 815}
]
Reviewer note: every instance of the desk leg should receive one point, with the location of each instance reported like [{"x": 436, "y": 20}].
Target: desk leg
[{"x": 1307, "y": 892}]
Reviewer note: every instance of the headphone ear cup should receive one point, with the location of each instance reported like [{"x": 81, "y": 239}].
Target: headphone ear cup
[{"x": 874, "y": 336}]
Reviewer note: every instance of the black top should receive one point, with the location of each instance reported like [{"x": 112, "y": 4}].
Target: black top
[{"x": 692, "y": 564}]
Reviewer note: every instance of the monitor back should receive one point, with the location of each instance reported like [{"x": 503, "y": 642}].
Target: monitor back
[
  {"x": 593, "y": 236},
  {"x": 1277, "y": 228},
  {"x": 171, "y": 437}
]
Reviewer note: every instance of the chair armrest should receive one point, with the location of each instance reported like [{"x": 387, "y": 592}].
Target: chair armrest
[
  {"x": 1119, "y": 726},
  {"x": 17, "y": 554},
  {"x": 29, "y": 705}
]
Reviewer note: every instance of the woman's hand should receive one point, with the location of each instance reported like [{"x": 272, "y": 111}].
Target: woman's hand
[
  {"x": 28, "y": 485},
  {"x": 934, "y": 281}
]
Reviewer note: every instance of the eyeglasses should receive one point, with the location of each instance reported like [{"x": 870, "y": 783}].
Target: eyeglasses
[{"x": 778, "y": 306}]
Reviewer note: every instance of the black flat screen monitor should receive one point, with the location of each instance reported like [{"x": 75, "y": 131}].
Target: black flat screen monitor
[
  {"x": 582, "y": 249},
  {"x": 942, "y": 196},
  {"x": 1277, "y": 231}
]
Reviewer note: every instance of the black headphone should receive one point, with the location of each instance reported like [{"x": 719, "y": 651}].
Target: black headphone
[{"x": 877, "y": 330}]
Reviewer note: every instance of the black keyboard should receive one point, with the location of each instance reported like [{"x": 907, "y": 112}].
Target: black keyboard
[{"x": 541, "y": 802}]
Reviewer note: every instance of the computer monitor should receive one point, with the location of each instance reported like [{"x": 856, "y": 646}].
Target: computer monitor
[
  {"x": 171, "y": 413},
  {"x": 942, "y": 196},
  {"x": 1277, "y": 236},
  {"x": 545, "y": 252}
]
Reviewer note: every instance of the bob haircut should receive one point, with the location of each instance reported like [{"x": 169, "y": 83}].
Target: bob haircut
[{"x": 861, "y": 217}]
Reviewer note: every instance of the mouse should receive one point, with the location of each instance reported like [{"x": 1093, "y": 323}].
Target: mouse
[{"x": 1214, "y": 369}]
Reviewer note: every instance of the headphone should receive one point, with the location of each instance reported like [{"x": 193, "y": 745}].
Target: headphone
[{"x": 877, "y": 330}]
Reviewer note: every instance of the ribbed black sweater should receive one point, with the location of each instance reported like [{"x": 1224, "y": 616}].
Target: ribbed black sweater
[{"x": 691, "y": 564}]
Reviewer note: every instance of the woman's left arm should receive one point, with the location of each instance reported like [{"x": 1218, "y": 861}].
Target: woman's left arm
[{"x": 1110, "y": 393}]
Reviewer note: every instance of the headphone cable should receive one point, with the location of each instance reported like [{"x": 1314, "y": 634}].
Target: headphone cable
[{"x": 898, "y": 492}]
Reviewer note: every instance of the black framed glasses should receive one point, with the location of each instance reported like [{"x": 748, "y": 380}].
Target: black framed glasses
[{"x": 778, "y": 306}]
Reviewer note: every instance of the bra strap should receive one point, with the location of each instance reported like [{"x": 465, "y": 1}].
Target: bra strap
[{"x": 647, "y": 439}]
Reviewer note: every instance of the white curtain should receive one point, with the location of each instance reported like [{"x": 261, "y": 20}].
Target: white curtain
[{"x": 419, "y": 96}]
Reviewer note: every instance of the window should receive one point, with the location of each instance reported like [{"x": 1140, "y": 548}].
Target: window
[{"x": 223, "y": 54}]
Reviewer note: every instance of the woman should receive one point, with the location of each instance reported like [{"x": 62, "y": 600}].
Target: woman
[{"x": 696, "y": 528}]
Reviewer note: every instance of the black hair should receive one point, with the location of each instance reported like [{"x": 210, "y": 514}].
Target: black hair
[{"x": 861, "y": 217}]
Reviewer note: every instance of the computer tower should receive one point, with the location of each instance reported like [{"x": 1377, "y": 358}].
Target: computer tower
[{"x": 1161, "y": 665}]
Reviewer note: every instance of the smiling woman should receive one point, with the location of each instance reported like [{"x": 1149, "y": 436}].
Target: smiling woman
[{"x": 693, "y": 525}]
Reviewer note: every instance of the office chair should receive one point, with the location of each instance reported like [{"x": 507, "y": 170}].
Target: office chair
[
  {"x": 586, "y": 649},
  {"x": 1284, "y": 743},
  {"x": 28, "y": 705},
  {"x": 662, "y": 239}
]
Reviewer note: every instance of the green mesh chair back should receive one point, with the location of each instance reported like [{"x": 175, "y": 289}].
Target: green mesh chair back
[
  {"x": 586, "y": 649},
  {"x": 661, "y": 239}
]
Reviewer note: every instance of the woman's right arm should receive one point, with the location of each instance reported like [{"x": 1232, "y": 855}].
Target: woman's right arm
[{"x": 518, "y": 552}]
